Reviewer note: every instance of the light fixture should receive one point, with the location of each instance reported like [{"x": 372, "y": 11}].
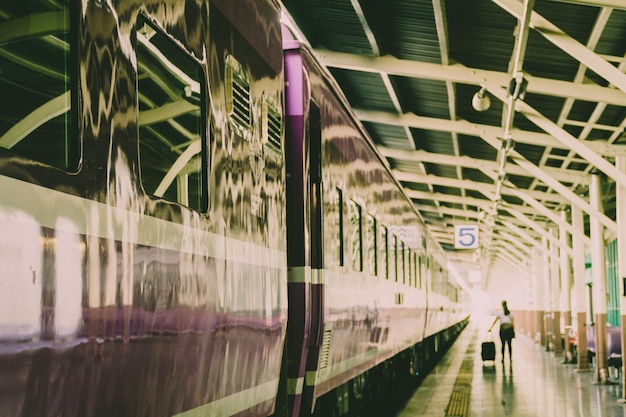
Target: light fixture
[
  {"x": 481, "y": 101},
  {"x": 517, "y": 87},
  {"x": 508, "y": 145}
]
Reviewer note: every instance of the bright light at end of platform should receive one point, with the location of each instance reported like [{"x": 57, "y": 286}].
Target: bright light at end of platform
[
  {"x": 455, "y": 273},
  {"x": 474, "y": 276}
]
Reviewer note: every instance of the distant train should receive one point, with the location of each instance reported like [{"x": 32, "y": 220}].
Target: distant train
[{"x": 193, "y": 223}]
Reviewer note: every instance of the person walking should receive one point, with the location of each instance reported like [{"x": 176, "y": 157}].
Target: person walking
[{"x": 507, "y": 329}]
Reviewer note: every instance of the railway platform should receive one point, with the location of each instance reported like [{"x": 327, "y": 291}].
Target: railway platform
[{"x": 536, "y": 383}]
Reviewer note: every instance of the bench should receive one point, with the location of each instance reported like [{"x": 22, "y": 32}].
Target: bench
[{"x": 613, "y": 347}]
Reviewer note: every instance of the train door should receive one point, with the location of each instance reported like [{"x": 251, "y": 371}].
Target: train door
[
  {"x": 316, "y": 242},
  {"x": 297, "y": 95},
  {"x": 303, "y": 159}
]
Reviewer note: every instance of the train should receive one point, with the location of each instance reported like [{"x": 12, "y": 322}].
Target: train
[{"x": 194, "y": 223}]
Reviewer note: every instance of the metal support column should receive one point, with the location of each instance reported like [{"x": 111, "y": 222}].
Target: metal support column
[
  {"x": 533, "y": 320},
  {"x": 599, "y": 280},
  {"x": 555, "y": 293},
  {"x": 545, "y": 295},
  {"x": 620, "y": 162},
  {"x": 580, "y": 289},
  {"x": 540, "y": 336},
  {"x": 566, "y": 289}
]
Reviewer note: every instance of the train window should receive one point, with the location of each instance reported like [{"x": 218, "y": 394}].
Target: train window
[
  {"x": 414, "y": 269},
  {"x": 35, "y": 83},
  {"x": 384, "y": 251},
  {"x": 171, "y": 119},
  {"x": 403, "y": 262},
  {"x": 407, "y": 263},
  {"x": 316, "y": 194},
  {"x": 339, "y": 226},
  {"x": 416, "y": 266},
  {"x": 393, "y": 262},
  {"x": 372, "y": 252},
  {"x": 356, "y": 236},
  {"x": 237, "y": 97},
  {"x": 411, "y": 267},
  {"x": 421, "y": 271}
]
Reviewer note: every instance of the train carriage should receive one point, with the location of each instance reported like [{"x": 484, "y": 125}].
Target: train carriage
[
  {"x": 358, "y": 253},
  {"x": 142, "y": 253}
]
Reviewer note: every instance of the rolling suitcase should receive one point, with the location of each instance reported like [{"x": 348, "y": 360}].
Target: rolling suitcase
[{"x": 488, "y": 349}]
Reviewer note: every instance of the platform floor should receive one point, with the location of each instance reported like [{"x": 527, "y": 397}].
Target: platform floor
[{"x": 536, "y": 383}]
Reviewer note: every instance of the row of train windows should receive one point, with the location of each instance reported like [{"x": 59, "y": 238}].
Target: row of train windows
[
  {"x": 374, "y": 247},
  {"x": 38, "y": 122}
]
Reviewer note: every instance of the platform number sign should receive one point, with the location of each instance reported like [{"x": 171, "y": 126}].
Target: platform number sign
[{"x": 466, "y": 236}]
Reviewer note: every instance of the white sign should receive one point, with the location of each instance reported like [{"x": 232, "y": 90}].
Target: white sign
[{"x": 466, "y": 236}]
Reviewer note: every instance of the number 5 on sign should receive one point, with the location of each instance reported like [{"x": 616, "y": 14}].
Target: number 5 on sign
[{"x": 466, "y": 237}]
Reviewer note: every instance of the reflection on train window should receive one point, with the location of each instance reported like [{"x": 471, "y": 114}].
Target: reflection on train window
[
  {"x": 393, "y": 261},
  {"x": 316, "y": 197},
  {"x": 416, "y": 266},
  {"x": 416, "y": 271},
  {"x": 384, "y": 251},
  {"x": 237, "y": 97},
  {"x": 339, "y": 226},
  {"x": 419, "y": 271},
  {"x": 35, "y": 85},
  {"x": 427, "y": 272},
  {"x": 372, "y": 255},
  {"x": 171, "y": 121},
  {"x": 407, "y": 262},
  {"x": 356, "y": 240},
  {"x": 403, "y": 261},
  {"x": 410, "y": 267}
]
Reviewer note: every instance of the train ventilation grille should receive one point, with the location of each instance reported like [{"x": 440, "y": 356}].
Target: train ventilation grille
[
  {"x": 238, "y": 97},
  {"x": 328, "y": 335},
  {"x": 272, "y": 125}
]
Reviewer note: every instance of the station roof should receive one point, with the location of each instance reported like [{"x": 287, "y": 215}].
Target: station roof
[{"x": 411, "y": 70}]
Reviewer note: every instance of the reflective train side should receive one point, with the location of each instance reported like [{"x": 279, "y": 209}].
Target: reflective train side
[
  {"x": 161, "y": 241},
  {"x": 142, "y": 263}
]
